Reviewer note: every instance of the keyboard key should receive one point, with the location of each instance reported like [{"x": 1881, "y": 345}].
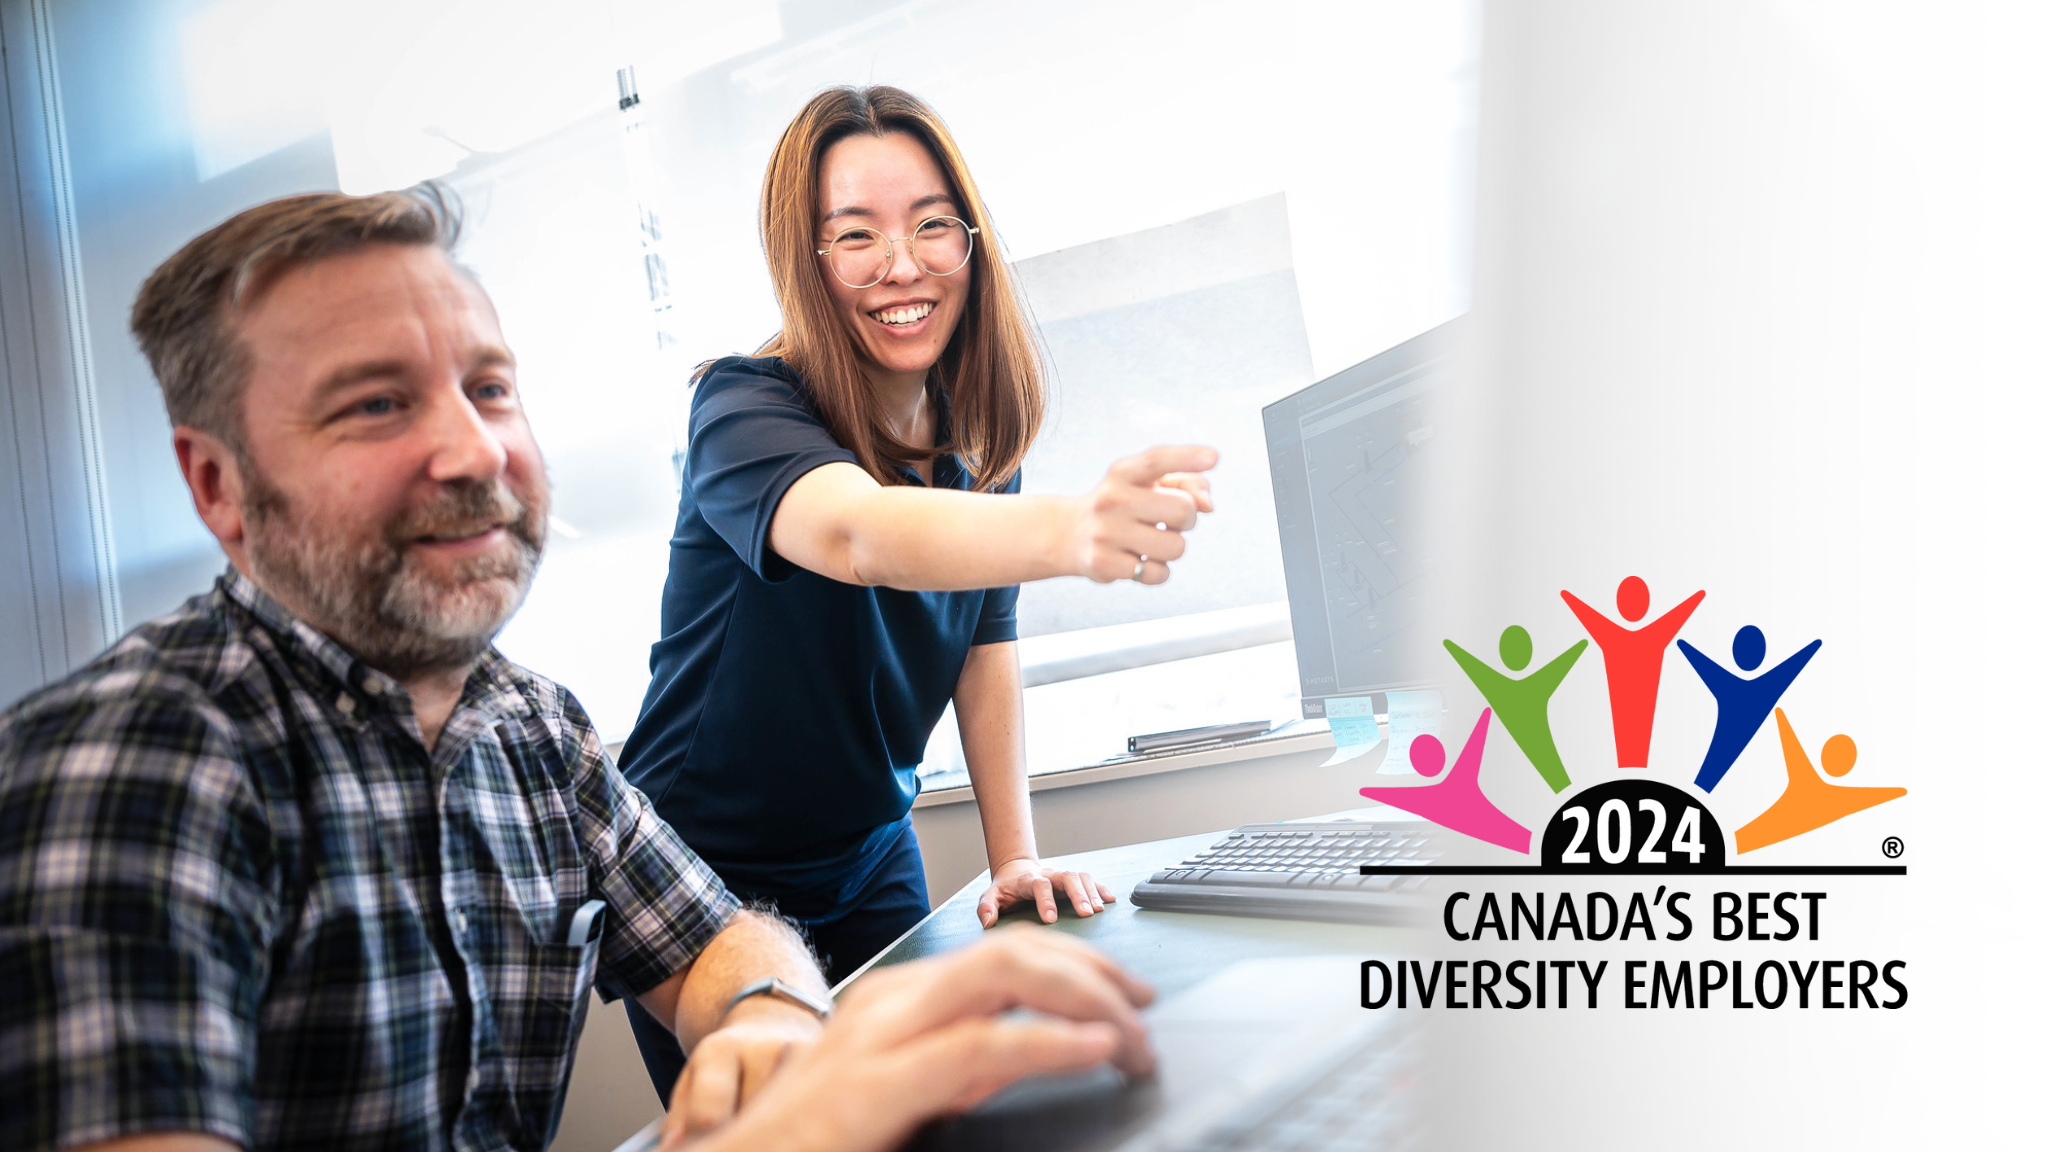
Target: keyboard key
[{"x": 1249, "y": 879}]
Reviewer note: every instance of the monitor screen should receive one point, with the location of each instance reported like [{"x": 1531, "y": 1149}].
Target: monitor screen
[{"x": 1351, "y": 458}]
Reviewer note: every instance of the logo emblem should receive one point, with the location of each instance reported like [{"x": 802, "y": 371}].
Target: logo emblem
[{"x": 1636, "y": 825}]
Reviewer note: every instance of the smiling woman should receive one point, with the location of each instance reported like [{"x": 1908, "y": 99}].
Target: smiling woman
[
  {"x": 856, "y": 168},
  {"x": 900, "y": 320},
  {"x": 849, "y": 543}
]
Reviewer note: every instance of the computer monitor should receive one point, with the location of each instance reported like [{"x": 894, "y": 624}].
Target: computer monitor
[{"x": 1351, "y": 459}]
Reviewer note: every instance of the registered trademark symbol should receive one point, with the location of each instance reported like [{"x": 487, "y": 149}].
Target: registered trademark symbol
[{"x": 1893, "y": 847}]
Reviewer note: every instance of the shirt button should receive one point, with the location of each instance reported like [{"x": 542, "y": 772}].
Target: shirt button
[
  {"x": 461, "y": 920},
  {"x": 469, "y": 1085},
  {"x": 346, "y": 705},
  {"x": 373, "y": 687}
]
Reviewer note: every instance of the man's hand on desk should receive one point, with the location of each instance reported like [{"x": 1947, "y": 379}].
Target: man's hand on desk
[
  {"x": 1026, "y": 881},
  {"x": 730, "y": 1066},
  {"x": 919, "y": 1040}
]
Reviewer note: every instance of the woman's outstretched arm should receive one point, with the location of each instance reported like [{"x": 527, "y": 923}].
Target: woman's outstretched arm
[{"x": 838, "y": 522}]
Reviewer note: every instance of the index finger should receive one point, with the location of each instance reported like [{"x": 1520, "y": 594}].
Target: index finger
[
  {"x": 1194, "y": 484},
  {"x": 1148, "y": 466},
  {"x": 673, "y": 1130},
  {"x": 1133, "y": 988},
  {"x": 1017, "y": 969},
  {"x": 711, "y": 1093},
  {"x": 1048, "y": 904}
]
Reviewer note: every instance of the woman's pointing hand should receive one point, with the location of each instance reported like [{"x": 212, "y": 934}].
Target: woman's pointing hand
[{"x": 1134, "y": 523}]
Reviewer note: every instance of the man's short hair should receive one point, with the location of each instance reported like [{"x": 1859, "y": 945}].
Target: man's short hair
[{"x": 184, "y": 315}]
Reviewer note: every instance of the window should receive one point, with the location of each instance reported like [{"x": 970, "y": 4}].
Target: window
[{"x": 1209, "y": 205}]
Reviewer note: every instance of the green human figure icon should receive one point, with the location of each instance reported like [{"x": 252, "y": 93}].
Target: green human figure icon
[{"x": 1523, "y": 705}]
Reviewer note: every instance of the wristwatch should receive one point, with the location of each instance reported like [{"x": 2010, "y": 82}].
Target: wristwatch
[{"x": 775, "y": 987}]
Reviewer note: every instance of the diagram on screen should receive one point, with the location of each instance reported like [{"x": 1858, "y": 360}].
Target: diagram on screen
[{"x": 1367, "y": 458}]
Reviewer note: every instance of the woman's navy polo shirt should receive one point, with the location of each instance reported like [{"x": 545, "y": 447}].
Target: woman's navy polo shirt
[{"x": 788, "y": 711}]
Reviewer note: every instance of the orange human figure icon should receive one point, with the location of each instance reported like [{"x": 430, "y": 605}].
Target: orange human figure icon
[
  {"x": 1635, "y": 662},
  {"x": 1809, "y": 801}
]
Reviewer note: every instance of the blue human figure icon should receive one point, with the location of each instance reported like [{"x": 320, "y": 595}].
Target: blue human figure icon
[{"x": 1745, "y": 702}]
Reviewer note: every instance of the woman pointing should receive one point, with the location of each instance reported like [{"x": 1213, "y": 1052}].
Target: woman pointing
[{"x": 849, "y": 542}]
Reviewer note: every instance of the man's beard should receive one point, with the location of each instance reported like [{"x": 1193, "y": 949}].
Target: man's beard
[{"x": 376, "y": 599}]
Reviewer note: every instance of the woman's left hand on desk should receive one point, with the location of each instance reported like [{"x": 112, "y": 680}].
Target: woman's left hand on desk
[{"x": 1026, "y": 881}]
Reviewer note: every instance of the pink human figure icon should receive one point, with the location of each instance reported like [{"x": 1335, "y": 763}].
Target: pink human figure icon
[
  {"x": 1635, "y": 662},
  {"x": 1455, "y": 801}
]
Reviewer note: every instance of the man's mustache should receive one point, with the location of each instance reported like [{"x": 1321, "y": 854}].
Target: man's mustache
[{"x": 460, "y": 510}]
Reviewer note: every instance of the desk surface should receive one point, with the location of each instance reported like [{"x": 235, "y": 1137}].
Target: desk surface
[{"x": 1172, "y": 950}]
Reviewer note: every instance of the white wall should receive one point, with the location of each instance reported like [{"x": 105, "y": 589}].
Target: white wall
[{"x": 139, "y": 196}]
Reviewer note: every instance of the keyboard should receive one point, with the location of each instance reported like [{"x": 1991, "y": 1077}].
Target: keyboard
[{"x": 1302, "y": 872}]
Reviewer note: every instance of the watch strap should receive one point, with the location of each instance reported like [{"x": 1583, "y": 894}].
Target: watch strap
[{"x": 772, "y": 986}]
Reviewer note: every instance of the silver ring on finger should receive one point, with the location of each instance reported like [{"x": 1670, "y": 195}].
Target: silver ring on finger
[{"x": 1139, "y": 572}]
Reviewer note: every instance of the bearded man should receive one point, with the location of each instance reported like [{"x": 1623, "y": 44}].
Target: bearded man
[{"x": 307, "y": 862}]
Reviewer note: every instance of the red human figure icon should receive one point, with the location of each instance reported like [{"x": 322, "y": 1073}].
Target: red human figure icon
[{"x": 1635, "y": 662}]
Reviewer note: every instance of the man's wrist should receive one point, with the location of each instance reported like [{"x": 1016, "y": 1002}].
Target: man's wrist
[
  {"x": 768, "y": 1011},
  {"x": 775, "y": 996}
]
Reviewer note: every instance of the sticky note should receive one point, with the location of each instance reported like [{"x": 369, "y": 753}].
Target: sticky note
[
  {"x": 1410, "y": 714},
  {"x": 1352, "y": 723}
]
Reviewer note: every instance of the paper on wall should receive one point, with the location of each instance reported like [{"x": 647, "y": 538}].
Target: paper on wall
[
  {"x": 1352, "y": 723},
  {"x": 1410, "y": 714}
]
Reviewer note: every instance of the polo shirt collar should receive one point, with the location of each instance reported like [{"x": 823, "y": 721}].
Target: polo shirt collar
[{"x": 948, "y": 471}]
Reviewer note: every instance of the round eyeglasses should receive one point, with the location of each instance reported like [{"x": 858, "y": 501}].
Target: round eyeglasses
[{"x": 860, "y": 257}]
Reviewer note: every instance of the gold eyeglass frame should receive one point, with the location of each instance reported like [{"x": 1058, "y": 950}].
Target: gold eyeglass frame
[{"x": 889, "y": 250}]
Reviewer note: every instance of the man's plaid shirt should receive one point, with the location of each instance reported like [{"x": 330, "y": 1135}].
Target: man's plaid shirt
[{"x": 239, "y": 896}]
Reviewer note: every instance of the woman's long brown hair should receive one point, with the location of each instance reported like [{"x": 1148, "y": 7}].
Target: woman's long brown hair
[{"x": 989, "y": 372}]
